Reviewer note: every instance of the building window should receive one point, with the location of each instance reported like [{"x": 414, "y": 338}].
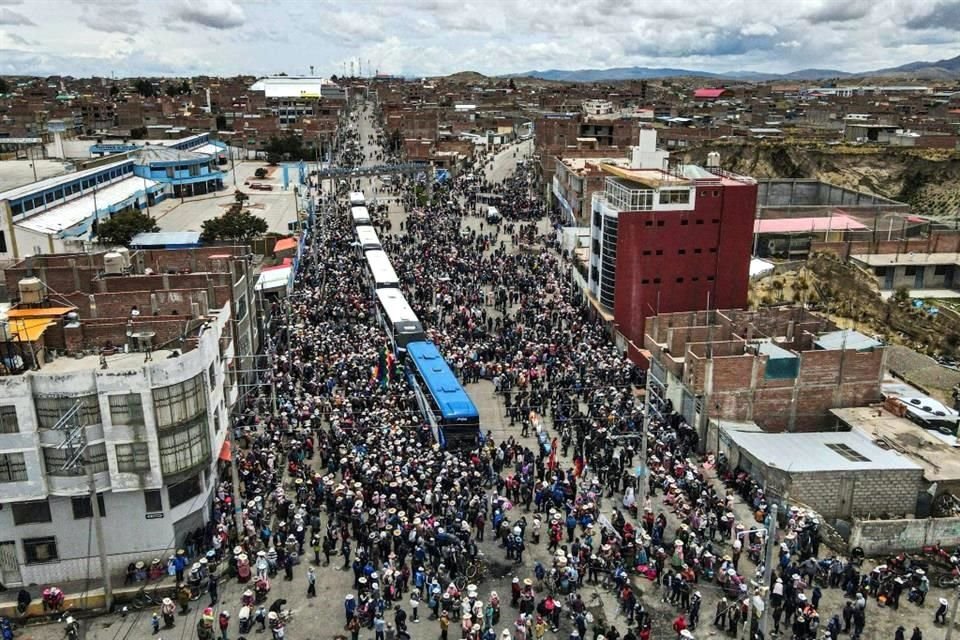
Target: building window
[
  {"x": 682, "y": 252},
  {"x": 645, "y": 281},
  {"x": 699, "y": 221},
  {"x": 656, "y": 281},
  {"x": 40, "y": 550},
  {"x": 695, "y": 279},
  {"x": 54, "y": 461},
  {"x": 126, "y": 409},
  {"x": 3, "y": 242},
  {"x": 185, "y": 490},
  {"x": 684, "y": 223},
  {"x": 13, "y": 468},
  {"x": 660, "y": 223},
  {"x": 185, "y": 447},
  {"x": 51, "y": 409},
  {"x": 659, "y": 252},
  {"x": 153, "y": 500},
  {"x": 8, "y": 419},
  {"x": 241, "y": 308},
  {"x": 676, "y": 196},
  {"x": 940, "y": 270},
  {"x": 32, "y": 512},
  {"x": 646, "y": 252},
  {"x": 910, "y": 271},
  {"x": 178, "y": 403},
  {"x": 212, "y": 375},
  {"x": 715, "y": 221},
  {"x": 649, "y": 223},
  {"x": 679, "y": 280},
  {"x": 713, "y": 249},
  {"x": 81, "y": 507},
  {"x": 698, "y": 251},
  {"x": 709, "y": 278},
  {"x": 133, "y": 457}
]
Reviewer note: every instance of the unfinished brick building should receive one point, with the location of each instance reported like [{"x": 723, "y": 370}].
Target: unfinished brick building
[{"x": 781, "y": 368}]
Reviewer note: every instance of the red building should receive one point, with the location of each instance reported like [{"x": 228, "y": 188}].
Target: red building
[{"x": 669, "y": 240}]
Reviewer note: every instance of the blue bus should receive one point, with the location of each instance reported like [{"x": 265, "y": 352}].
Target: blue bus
[{"x": 446, "y": 407}]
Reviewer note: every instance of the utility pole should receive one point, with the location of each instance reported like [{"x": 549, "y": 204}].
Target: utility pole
[
  {"x": 768, "y": 569},
  {"x": 75, "y": 442},
  {"x": 644, "y": 471},
  {"x": 953, "y": 614}
]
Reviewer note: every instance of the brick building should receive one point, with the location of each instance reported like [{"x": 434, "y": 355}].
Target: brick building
[
  {"x": 783, "y": 369},
  {"x": 837, "y": 474},
  {"x": 668, "y": 239}
]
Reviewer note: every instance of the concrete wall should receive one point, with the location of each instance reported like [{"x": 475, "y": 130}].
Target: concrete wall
[
  {"x": 805, "y": 192},
  {"x": 878, "y": 537}
]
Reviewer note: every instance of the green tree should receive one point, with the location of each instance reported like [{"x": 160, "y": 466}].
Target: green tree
[
  {"x": 122, "y": 227},
  {"x": 4, "y": 86},
  {"x": 171, "y": 90},
  {"x": 114, "y": 91},
  {"x": 185, "y": 87},
  {"x": 145, "y": 88},
  {"x": 237, "y": 226}
]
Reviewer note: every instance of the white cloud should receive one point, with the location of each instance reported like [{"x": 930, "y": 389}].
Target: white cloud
[
  {"x": 216, "y": 14},
  {"x": 13, "y": 18},
  {"x": 432, "y": 37},
  {"x": 115, "y": 19},
  {"x": 758, "y": 29}
]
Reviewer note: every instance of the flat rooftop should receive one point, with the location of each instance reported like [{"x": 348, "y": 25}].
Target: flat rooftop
[
  {"x": 19, "y": 173},
  {"x": 923, "y": 259},
  {"x": 808, "y": 224},
  {"x": 822, "y": 451},
  {"x": 938, "y": 459},
  {"x": 133, "y": 360}
]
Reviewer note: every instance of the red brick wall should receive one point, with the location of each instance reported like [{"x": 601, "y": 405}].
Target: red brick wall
[{"x": 688, "y": 281}]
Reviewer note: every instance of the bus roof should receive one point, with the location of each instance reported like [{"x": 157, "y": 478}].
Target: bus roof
[
  {"x": 381, "y": 269},
  {"x": 368, "y": 238},
  {"x": 356, "y": 197},
  {"x": 360, "y": 215},
  {"x": 443, "y": 385},
  {"x": 396, "y": 306}
]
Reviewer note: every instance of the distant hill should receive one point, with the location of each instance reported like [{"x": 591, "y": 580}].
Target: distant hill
[
  {"x": 939, "y": 70},
  {"x": 948, "y": 69}
]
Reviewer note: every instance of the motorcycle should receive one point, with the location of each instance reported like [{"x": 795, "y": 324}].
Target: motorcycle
[
  {"x": 936, "y": 553},
  {"x": 952, "y": 579},
  {"x": 72, "y": 628}
]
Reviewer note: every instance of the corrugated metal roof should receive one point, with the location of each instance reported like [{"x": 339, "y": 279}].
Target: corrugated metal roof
[
  {"x": 810, "y": 224},
  {"x": 75, "y": 211},
  {"x": 846, "y": 339},
  {"x": 811, "y": 452}
]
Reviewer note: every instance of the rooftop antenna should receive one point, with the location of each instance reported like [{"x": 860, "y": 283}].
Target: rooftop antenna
[{"x": 311, "y": 70}]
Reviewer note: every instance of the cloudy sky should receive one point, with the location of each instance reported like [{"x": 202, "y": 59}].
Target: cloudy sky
[{"x": 430, "y": 37}]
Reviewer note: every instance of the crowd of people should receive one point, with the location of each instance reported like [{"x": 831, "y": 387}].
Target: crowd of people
[{"x": 339, "y": 470}]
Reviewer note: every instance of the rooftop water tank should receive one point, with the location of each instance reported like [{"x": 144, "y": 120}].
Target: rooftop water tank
[
  {"x": 113, "y": 263},
  {"x": 31, "y": 291}
]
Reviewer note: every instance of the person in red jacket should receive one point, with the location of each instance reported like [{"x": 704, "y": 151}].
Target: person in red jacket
[{"x": 679, "y": 625}]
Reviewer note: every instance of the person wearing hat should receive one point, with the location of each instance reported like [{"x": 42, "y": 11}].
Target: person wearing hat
[
  {"x": 183, "y": 598},
  {"x": 940, "y": 615}
]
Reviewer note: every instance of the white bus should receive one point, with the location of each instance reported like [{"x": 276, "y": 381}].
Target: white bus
[
  {"x": 357, "y": 199},
  {"x": 367, "y": 239},
  {"x": 398, "y": 319},
  {"x": 381, "y": 271},
  {"x": 360, "y": 216}
]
